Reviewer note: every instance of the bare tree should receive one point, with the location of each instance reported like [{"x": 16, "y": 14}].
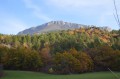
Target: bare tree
[{"x": 116, "y": 13}]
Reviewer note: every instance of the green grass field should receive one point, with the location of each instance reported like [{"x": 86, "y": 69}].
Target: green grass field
[{"x": 35, "y": 75}]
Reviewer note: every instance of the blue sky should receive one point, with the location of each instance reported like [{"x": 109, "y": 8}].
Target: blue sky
[{"x": 17, "y": 15}]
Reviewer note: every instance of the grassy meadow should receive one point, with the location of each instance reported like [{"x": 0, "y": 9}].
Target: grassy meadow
[{"x": 36, "y": 75}]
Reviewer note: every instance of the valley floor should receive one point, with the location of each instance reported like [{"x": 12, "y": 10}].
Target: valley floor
[{"x": 35, "y": 75}]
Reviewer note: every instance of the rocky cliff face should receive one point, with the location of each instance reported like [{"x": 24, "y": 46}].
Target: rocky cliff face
[{"x": 52, "y": 26}]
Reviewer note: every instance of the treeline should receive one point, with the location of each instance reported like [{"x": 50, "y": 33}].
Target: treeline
[
  {"x": 63, "y": 52},
  {"x": 20, "y": 58},
  {"x": 71, "y": 61},
  {"x": 79, "y": 39}
]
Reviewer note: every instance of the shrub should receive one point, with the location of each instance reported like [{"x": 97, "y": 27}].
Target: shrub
[
  {"x": 22, "y": 59},
  {"x": 105, "y": 57},
  {"x": 116, "y": 61},
  {"x": 64, "y": 63},
  {"x": 1, "y": 70},
  {"x": 51, "y": 70},
  {"x": 67, "y": 62},
  {"x": 85, "y": 61}
]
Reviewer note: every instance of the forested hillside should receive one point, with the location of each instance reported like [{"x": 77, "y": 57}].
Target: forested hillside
[{"x": 62, "y": 52}]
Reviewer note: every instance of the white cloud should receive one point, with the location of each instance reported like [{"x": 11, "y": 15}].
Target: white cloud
[
  {"x": 10, "y": 24},
  {"x": 104, "y": 17},
  {"x": 36, "y": 10},
  {"x": 12, "y": 27},
  {"x": 108, "y": 19},
  {"x": 16, "y": 24},
  {"x": 82, "y": 7},
  {"x": 100, "y": 11},
  {"x": 78, "y": 3}
]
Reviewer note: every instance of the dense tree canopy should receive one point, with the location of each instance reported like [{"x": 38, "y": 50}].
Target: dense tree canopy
[{"x": 72, "y": 51}]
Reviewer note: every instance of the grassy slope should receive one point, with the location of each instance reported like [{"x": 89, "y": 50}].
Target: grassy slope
[{"x": 34, "y": 75}]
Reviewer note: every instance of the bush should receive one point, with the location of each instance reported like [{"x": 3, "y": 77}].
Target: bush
[
  {"x": 116, "y": 61},
  {"x": 85, "y": 61},
  {"x": 67, "y": 62},
  {"x": 1, "y": 70},
  {"x": 105, "y": 57},
  {"x": 51, "y": 70},
  {"x": 22, "y": 59}
]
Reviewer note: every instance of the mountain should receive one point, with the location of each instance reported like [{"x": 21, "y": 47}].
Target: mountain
[{"x": 53, "y": 26}]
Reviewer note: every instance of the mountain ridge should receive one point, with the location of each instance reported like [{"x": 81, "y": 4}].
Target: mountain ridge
[{"x": 54, "y": 26}]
